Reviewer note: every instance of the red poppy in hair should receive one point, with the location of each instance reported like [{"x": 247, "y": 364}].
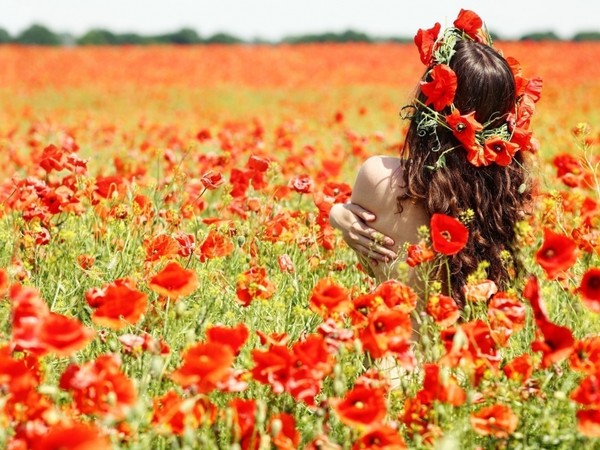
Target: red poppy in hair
[
  {"x": 448, "y": 235},
  {"x": 424, "y": 41},
  {"x": 442, "y": 87},
  {"x": 590, "y": 289},
  {"x": 557, "y": 253},
  {"x": 522, "y": 138},
  {"x": 503, "y": 150},
  {"x": 464, "y": 127},
  {"x": 470, "y": 23}
]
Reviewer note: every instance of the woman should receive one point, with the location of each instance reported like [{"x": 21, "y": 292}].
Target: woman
[{"x": 463, "y": 157}]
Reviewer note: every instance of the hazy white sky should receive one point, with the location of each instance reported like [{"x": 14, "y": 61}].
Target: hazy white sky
[{"x": 273, "y": 19}]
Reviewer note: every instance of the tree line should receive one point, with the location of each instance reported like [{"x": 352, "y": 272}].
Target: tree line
[{"x": 41, "y": 35}]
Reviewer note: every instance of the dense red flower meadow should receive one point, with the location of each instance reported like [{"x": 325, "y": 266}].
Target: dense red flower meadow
[{"x": 169, "y": 277}]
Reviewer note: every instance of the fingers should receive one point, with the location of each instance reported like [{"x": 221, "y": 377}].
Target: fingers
[
  {"x": 360, "y": 212},
  {"x": 371, "y": 255},
  {"x": 369, "y": 247},
  {"x": 373, "y": 235}
]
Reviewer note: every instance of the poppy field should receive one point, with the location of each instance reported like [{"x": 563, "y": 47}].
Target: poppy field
[{"x": 169, "y": 278}]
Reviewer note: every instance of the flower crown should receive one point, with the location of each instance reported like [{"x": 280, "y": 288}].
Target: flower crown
[{"x": 484, "y": 145}]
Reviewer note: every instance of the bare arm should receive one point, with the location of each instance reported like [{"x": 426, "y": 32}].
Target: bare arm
[{"x": 372, "y": 191}]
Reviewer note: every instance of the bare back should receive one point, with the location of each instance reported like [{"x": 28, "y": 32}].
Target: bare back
[{"x": 377, "y": 188}]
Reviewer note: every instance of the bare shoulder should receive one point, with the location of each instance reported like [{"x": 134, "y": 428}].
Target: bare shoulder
[{"x": 379, "y": 181}]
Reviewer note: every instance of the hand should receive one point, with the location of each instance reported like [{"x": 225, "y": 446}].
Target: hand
[{"x": 367, "y": 242}]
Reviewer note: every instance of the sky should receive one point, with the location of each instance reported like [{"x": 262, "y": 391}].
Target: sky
[{"x": 274, "y": 19}]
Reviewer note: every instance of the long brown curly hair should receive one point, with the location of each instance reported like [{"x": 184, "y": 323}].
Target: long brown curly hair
[{"x": 497, "y": 195}]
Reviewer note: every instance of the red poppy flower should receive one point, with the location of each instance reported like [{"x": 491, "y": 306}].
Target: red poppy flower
[
  {"x": 233, "y": 337},
  {"x": 503, "y": 150},
  {"x": 285, "y": 263},
  {"x": 75, "y": 436},
  {"x": 480, "y": 291},
  {"x": 36, "y": 329},
  {"x": 203, "y": 135},
  {"x": 395, "y": 295},
  {"x": 588, "y": 422},
  {"x": 282, "y": 428},
  {"x": 299, "y": 371},
  {"x": 557, "y": 254},
  {"x": 161, "y": 246},
  {"x": 443, "y": 309},
  {"x": 254, "y": 284},
  {"x": 464, "y": 128},
  {"x": 85, "y": 261},
  {"x": 424, "y": 40},
  {"x": 440, "y": 388},
  {"x": 522, "y": 138},
  {"x": 99, "y": 387},
  {"x": 362, "y": 406},
  {"x": 588, "y": 391},
  {"x": 174, "y": 281},
  {"x": 448, "y": 235},
  {"x": 312, "y": 353},
  {"x": 589, "y": 288},
  {"x": 495, "y": 420},
  {"x": 204, "y": 366},
  {"x": 63, "y": 336},
  {"x": 111, "y": 185},
  {"x": 3, "y": 282},
  {"x": 441, "y": 89},
  {"x": 302, "y": 184},
  {"x": 215, "y": 245},
  {"x": 418, "y": 254},
  {"x": 187, "y": 243},
  {"x": 172, "y": 412},
  {"x": 119, "y": 306},
  {"x": 470, "y": 23},
  {"x": 380, "y": 437},
  {"x": 53, "y": 158},
  {"x": 418, "y": 418},
  {"x": 244, "y": 412},
  {"x": 520, "y": 368},
  {"x": 532, "y": 293},
  {"x": 474, "y": 346},
  {"x": 386, "y": 330},
  {"x": 272, "y": 366},
  {"x": 336, "y": 192},
  {"x": 328, "y": 297},
  {"x": 506, "y": 315},
  {"x": 586, "y": 355},
  {"x": 240, "y": 181},
  {"x": 556, "y": 343},
  {"x": 29, "y": 312},
  {"x": 211, "y": 180}
]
